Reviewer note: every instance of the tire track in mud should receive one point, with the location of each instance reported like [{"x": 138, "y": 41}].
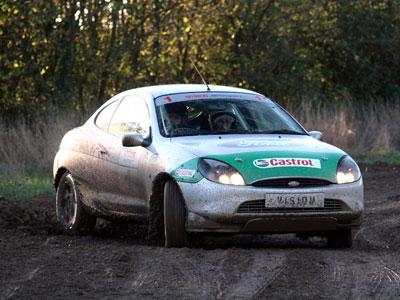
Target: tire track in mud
[
  {"x": 18, "y": 269},
  {"x": 252, "y": 274},
  {"x": 368, "y": 276},
  {"x": 15, "y": 285},
  {"x": 66, "y": 268},
  {"x": 199, "y": 274},
  {"x": 300, "y": 277},
  {"x": 336, "y": 274}
]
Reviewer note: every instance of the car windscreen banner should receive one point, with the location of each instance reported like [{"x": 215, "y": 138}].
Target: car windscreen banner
[{"x": 166, "y": 99}]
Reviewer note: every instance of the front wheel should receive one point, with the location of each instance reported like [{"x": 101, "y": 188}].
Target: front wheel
[
  {"x": 342, "y": 238},
  {"x": 174, "y": 217},
  {"x": 69, "y": 208}
]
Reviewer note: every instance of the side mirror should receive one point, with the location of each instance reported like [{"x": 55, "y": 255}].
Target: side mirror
[
  {"x": 134, "y": 140},
  {"x": 316, "y": 135}
]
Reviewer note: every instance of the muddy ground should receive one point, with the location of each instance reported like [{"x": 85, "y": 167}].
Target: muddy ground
[{"x": 38, "y": 261}]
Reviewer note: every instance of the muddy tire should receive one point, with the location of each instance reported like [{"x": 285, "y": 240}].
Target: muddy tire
[
  {"x": 342, "y": 238},
  {"x": 174, "y": 217},
  {"x": 155, "y": 234},
  {"x": 70, "y": 211}
]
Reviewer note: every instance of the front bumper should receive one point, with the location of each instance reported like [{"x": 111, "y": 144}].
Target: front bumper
[{"x": 213, "y": 207}]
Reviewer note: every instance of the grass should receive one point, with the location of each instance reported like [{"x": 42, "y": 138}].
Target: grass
[
  {"x": 24, "y": 182},
  {"x": 371, "y": 128},
  {"x": 391, "y": 157},
  {"x": 27, "y": 153},
  {"x": 25, "y": 186}
]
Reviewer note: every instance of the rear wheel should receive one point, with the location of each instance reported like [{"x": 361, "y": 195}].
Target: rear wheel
[
  {"x": 341, "y": 238},
  {"x": 70, "y": 211},
  {"x": 174, "y": 217}
]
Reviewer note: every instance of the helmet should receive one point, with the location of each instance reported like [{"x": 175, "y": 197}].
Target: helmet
[
  {"x": 176, "y": 108},
  {"x": 222, "y": 116}
]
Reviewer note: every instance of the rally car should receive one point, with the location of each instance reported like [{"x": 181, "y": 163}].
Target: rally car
[{"x": 198, "y": 159}]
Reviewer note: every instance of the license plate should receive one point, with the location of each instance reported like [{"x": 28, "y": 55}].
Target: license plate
[{"x": 294, "y": 200}]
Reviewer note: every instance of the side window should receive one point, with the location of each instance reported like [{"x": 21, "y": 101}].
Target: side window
[
  {"x": 131, "y": 115},
  {"x": 104, "y": 117}
]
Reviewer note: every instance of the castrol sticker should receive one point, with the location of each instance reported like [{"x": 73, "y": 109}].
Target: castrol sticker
[
  {"x": 264, "y": 163},
  {"x": 185, "y": 172}
]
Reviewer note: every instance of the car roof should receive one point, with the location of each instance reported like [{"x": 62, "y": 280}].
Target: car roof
[
  {"x": 168, "y": 89},
  {"x": 156, "y": 91}
]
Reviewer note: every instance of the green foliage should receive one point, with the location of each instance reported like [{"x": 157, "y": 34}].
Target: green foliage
[{"x": 76, "y": 54}]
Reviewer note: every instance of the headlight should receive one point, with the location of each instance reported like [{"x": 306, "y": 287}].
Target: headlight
[
  {"x": 220, "y": 172},
  {"x": 347, "y": 170}
]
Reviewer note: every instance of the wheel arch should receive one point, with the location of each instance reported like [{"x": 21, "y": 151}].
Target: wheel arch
[
  {"x": 157, "y": 189},
  {"x": 60, "y": 172}
]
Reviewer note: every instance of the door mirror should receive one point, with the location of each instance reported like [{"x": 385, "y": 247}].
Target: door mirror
[
  {"x": 134, "y": 140},
  {"x": 316, "y": 135}
]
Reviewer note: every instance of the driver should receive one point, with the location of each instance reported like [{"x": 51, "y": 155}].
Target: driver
[
  {"x": 177, "y": 116},
  {"x": 222, "y": 121}
]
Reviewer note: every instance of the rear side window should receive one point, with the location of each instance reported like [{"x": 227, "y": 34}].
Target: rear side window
[
  {"x": 132, "y": 115},
  {"x": 104, "y": 117}
]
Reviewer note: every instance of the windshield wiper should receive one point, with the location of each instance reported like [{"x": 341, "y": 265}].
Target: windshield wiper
[
  {"x": 191, "y": 132},
  {"x": 281, "y": 131},
  {"x": 187, "y": 132},
  {"x": 208, "y": 132},
  {"x": 230, "y": 131}
]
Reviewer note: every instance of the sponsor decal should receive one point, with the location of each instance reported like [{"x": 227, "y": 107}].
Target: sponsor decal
[
  {"x": 264, "y": 163},
  {"x": 261, "y": 163},
  {"x": 209, "y": 95},
  {"x": 196, "y": 96},
  {"x": 185, "y": 172}
]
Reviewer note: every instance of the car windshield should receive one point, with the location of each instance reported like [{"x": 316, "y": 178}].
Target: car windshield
[{"x": 219, "y": 115}]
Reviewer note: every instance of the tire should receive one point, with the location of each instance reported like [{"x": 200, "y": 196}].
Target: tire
[
  {"x": 155, "y": 234},
  {"x": 342, "y": 238},
  {"x": 71, "y": 214},
  {"x": 174, "y": 217}
]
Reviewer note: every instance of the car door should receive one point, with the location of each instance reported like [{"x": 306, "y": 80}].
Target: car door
[
  {"x": 102, "y": 149},
  {"x": 131, "y": 116}
]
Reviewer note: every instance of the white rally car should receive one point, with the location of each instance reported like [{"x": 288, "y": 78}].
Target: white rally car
[{"x": 192, "y": 159}]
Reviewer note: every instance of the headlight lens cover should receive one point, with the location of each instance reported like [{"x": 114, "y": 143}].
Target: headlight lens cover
[
  {"x": 347, "y": 170},
  {"x": 220, "y": 172}
]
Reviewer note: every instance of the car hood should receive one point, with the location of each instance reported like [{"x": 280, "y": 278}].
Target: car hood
[{"x": 268, "y": 156}]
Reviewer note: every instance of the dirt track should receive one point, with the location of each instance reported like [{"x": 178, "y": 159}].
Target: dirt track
[{"x": 37, "y": 261}]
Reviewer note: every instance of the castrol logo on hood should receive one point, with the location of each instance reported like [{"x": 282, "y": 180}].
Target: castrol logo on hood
[{"x": 264, "y": 163}]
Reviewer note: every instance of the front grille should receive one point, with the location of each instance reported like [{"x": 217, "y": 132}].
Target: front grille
[
  {"x": 258, "y": 207},
  {"x": 284, "y": 183}
]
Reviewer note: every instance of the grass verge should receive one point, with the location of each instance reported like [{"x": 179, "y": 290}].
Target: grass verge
[
  {"x": 26, "y": 186},
  {"x": 391, "y": 158}
]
